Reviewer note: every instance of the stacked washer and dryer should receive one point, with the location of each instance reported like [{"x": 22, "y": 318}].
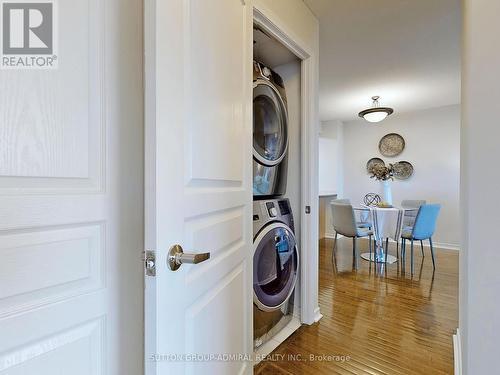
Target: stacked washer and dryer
[{"x": 276, "y": 256}]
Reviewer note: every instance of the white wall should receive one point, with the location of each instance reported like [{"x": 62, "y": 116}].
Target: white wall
[
  {"x": 432, "y": 146},
  {"x": 330, "y": 175},
  {"x": 330, "y": 157},
  {"x": 296, "y": 16},
  {"x": 480, "y": 184}
]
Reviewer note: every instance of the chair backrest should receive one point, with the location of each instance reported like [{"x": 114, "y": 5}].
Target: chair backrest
[
  {"x": 344, "y": 221},
  {"x": 343, "y": 201},
  {"x": 412, "y": 203},
  {"x": 409, "y": 218},
  {"x": 425, "y": 222}
]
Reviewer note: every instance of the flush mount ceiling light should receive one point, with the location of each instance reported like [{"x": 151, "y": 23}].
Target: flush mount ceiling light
[{"x": 376, "y": 113}]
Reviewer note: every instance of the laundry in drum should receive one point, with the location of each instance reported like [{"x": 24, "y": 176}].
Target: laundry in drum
[
  {"x": 281, "y": 243},
  {"x": 284, "y": 249}
]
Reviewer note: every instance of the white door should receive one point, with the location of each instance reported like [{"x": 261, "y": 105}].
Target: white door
[
  {"x": 198, "y": 185},
  {"x": 71, "y": 199}
]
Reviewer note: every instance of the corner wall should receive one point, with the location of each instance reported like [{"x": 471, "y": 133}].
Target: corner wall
[
  {"x": 331, "y": 172},
  {"x": 331, "y": 155},
  {"x": 480, "y": 185}
]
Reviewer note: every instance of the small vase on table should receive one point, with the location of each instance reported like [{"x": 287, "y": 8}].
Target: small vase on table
[{"x": 387, "y": 191}]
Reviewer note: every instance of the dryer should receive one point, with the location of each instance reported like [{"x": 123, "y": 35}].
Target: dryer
[
  {"x": 275, "y": 267},
  {"x": 270, "y": 133}
]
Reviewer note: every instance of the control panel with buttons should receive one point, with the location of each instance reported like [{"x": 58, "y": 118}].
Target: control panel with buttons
[{"x": 271, "y": 209}]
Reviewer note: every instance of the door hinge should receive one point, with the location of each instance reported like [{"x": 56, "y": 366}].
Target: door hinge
[
  {"x": 150, "y": 263},
  {"x": 308, "y": 209}
]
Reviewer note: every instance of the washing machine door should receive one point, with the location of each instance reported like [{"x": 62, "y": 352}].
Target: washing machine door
[
  {"x": 275, "y": 266},
  {"x": 270, "y": 128}
]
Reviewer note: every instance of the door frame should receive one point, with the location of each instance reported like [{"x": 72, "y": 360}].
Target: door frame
[{"x": 309, "y": 272}]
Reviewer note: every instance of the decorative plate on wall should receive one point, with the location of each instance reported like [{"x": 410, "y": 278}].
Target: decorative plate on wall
[
  {"x": 391, "y": 144},
  {"x": 372, "y": 162},
  {"x": 403, "y": 170}
]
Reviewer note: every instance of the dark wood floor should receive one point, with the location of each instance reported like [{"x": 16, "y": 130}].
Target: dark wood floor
[{"x": 382, "y": 323}]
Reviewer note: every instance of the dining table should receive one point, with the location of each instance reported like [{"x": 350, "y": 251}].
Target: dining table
[{"x": 387, "y": 222}]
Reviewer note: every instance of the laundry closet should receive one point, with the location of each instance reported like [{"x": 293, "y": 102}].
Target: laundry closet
[{"x": 277, "y": 184}]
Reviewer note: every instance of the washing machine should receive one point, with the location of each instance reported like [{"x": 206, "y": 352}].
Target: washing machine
[
  {"x": 270, "y": 133},
  {"x": 275, "y": 267}
]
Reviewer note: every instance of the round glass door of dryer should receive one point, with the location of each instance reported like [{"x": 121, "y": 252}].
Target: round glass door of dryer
[
  {"x": 270, "y": 128},
  {"x": 275, "y": 266}
]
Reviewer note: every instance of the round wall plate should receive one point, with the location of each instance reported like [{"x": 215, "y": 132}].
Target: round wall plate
[
  {"x": 391, "y": 145},
  {"x": 403, "y": 170},
  {"x": 372, "y": 162}
]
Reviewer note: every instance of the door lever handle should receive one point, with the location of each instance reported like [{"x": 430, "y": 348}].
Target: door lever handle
[{"x": 177, "y": 257}]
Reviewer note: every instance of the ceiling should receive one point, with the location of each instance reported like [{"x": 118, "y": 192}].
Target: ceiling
[{"x": 405, "y": 51}]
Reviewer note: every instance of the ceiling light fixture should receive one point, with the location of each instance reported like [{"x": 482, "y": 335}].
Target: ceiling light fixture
[{"x": 376, "y": 113}]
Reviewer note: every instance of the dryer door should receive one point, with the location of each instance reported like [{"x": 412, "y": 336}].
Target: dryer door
[
  {"x": 270, "y": 133},
  {"x": 275, "y": 266}
]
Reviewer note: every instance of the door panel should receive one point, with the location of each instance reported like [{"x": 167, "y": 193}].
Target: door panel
[
  {"x": 37, "y": 267},
  {"x": 199, "y": 152},
  {"x": 70, "y": 213},
  {"x": 215, "y": 93},
  {"x": 52, "y": 122}
]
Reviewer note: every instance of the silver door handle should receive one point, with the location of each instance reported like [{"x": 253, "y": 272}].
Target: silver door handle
[{"x": 177, "y": 257}]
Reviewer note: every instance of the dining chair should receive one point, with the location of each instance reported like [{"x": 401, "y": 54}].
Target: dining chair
[
  {"x": 423, "y": 229},
  {"x": 344, "y": 223},
  {"x": 409, "y": 216}
]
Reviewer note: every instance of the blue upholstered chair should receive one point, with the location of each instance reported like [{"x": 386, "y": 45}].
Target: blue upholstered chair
[
  {"x": 344, "y": 223},
  {"x": 410, "y": 215},
  {"x": 423, "y": 229}
]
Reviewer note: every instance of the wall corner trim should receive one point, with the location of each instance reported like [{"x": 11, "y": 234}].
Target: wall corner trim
[
  {"x": 457, "y": 352},
  {"x": 317, "y": 315}
]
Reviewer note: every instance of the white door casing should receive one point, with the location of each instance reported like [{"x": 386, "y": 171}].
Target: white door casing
[
  {"x": 71, "y": 224},
  {"x": 198, "y": 184}
]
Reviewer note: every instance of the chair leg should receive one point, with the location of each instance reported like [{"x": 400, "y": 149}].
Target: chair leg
[
  {"x": 397, "y": 249},
  {"x": 411, "y": 262},
  {"x": 354, "y": 253},
  {"x": 432, "y": 253},
  {"x": 403, "y": 255},
  {"x": 386, "y": 253},
  {"x": 334, "y": 245},
  {"x": 370, "y": 246},
  {"x": 422, "y": 248}
]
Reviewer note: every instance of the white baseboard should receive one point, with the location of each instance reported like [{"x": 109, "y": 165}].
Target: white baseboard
[
  {"x": 317, "y": 315},
  {"x": 332, "y": 236},
  {"x": 447, "y": 246},
  {"x": 438, "y": 245},
  {"x": 457, "y": 352}
]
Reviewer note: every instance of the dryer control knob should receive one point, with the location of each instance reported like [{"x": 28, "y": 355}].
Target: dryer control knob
[{"x": 273, "y": 212}]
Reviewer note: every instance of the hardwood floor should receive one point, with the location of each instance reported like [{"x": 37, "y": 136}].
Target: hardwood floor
[{"x": 381, "y": 323}]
